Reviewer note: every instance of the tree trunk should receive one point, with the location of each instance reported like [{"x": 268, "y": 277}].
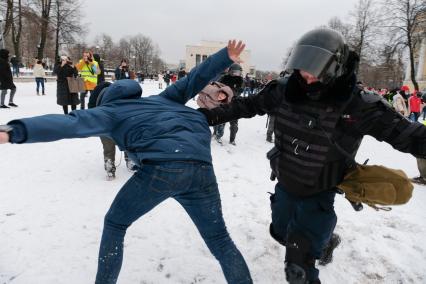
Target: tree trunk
[
  {"x": 16, "y": 33},
  {"x": 45, "y": 12},
  {"x": 9, "y": 18},
  {"x": 58, "y": 26}
]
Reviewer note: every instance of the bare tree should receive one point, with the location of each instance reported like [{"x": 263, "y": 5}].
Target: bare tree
[
  {"x": 17, "y": 30},
  {"x": 345, "y": 29},
  {"x": 365, "y": 18},
  {"x": 406, "y": 23},
  {"x": 44, "y": 7},
  {"x": 144, "y": 50},
  {"x": 8, "y": 17},
  {"x": 66, "y": 23}
]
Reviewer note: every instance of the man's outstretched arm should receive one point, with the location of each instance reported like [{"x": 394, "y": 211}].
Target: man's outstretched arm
[
  {"x": 189, "y": 86},
  {"x": 266, "y": 101},
  {"x": 52, "y": 127}
]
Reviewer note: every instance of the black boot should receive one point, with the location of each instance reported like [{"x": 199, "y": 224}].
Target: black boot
[{"x": 327, "y": 253}]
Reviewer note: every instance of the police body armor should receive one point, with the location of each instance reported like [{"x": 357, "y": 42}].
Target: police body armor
[{"x": 306, "y": 133}]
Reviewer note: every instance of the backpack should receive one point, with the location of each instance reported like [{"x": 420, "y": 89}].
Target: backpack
[
  {"x": 209, "y": 96},
  {"x": 376, "y": 185}
]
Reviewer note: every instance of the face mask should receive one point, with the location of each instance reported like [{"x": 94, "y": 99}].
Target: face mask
[{"x": 313, "y": 91}]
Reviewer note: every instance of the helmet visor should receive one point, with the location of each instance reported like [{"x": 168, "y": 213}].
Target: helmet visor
[{"x": 314, "y": 60}]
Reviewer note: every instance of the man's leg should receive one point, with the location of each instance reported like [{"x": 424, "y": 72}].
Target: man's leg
[
  {"x": 3, "y": 97},
  {"x": 11, "y": 96},
  {"x": 233, "y": 129},
  {"x": 202, "y": 202},
  {"x": 42, "y": 86},
  {"x": 109, "y": 155},
  {"x": 308, "y": 233},
  {"x": 37, "y": 85},
  {"x": 421, "y": 165},
  {"x": 219, "y": 129},
  {"x": 135, "y": 198},
  {"x": 83, "y": 100}
]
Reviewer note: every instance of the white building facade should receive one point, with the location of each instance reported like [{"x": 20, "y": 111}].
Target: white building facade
[{"x": 195, "y": 54}]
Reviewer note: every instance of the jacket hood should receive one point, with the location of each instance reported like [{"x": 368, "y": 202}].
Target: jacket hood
[
  {"x": 4, "y": 54},
  {"x": 122, "y": 89}
]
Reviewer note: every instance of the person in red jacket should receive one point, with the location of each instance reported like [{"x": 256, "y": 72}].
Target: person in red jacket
[{"x": 414, "y": 103}]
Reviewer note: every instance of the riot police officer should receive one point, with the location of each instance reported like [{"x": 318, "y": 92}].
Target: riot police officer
[{"x": 320, "y": 115}]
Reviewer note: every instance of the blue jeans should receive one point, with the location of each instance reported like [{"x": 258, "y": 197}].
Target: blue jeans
[
  {"x": 40, "y": 81},
  {"x": 312, "y": 217},
  {"x": 193, "y": 185}
]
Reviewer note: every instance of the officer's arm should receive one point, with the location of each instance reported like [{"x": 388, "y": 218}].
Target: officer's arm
[
  {"x": 266, "y": 101},
  {"x": 78, "y": 124},
  {"x": 381, "y": 121}
]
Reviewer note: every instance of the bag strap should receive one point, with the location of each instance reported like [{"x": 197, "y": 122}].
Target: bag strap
[{"x": 90, "y": 69}]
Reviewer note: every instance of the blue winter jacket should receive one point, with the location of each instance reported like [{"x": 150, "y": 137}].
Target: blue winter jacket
[{"x": 155, "y": 128}]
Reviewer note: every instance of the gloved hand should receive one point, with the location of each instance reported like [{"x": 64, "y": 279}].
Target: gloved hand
[{"x": 206, "y": 113}]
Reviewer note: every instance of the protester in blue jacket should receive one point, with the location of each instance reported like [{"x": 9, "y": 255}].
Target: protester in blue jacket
[{"x": 171, "y": 145}]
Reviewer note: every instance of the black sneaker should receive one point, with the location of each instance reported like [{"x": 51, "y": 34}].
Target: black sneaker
[
  {"x": 327, "y": 252},
  {"x": 4, "y": 106},
  {"x": 13, "y": 105},
  {"x": 233, "y": 143},
  {"x": 418, "y": 180}
]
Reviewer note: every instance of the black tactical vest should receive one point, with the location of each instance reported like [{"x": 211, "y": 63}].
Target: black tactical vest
[{"x": 308, "y": 162}]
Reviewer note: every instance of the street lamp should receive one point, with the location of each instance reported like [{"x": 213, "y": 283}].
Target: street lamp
[{"x": 134, "y": 57}]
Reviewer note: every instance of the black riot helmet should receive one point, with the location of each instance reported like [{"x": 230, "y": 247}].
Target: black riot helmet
[
  {"x": 235, "y": 70},
  {"x": 321, "y": 52}
]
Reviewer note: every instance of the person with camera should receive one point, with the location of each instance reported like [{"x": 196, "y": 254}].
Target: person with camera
[
  {"x": 89, "y": 71},
  {"x": 122, "y": 71},
  {"x": 63, "y": 70}
]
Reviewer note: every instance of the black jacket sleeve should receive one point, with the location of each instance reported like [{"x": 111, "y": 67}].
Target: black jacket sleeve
[
  {"x": 381, "y": 121},
  {"x": 264, "y": 102}
]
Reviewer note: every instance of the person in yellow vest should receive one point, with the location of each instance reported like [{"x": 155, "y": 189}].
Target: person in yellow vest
[{"x": 89, "y": 71}]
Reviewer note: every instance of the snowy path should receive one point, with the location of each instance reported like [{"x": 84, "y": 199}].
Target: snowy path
[{"x": 53, "y": 198}]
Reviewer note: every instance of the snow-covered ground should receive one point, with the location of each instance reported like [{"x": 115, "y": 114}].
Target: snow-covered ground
[{"x": 53, "y": 198}]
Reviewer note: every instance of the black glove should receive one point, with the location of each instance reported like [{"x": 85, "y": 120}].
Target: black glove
[{"x": 207, "y": 113}]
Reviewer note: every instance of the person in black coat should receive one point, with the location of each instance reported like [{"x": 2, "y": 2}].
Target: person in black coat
[
  {"x": 63, "y": 70},
  {"x": 181, "y": 73},
  {"x": 6, "y": 79},
  {"x": 101, "y": 76}
]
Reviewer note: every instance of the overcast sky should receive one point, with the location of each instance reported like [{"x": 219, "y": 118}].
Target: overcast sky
[{"x": 269, "y": 27}]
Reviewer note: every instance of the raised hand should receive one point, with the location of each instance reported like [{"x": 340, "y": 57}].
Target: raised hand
[{"x": 235, "y": 49}]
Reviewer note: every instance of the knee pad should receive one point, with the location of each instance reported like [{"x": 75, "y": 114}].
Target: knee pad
[{"x": 298, "y": 259}]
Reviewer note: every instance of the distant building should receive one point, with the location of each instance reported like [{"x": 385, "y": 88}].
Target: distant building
[{"x": 195, "y": 54}]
